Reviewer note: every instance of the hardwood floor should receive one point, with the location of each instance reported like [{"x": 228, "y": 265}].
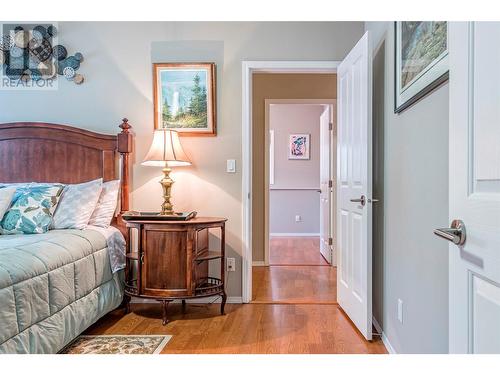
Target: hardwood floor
[
  {"x": 294, "y": 311},
  {"x": 294, "y": 284},
  {"x": 248, "y": 328},
  {"x": 295, "y": 251}
]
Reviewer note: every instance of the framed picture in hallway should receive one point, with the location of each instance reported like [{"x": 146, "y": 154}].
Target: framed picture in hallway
[
  {"x": 421, "y": 60},
  {"x": 184, "y": 98},
  {"x": 298, "y": 148}
]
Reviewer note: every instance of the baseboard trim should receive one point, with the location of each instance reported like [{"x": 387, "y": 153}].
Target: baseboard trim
[
  {"x": 294, "y": 234},
  {"x": 259, "y": 263},
  {"x": 385, "y": 340},
  {"x": 204, "y": 300}
]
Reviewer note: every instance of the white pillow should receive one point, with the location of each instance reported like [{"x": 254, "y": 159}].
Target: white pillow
[
  {"x": 6, "y": 195},
  {"x": 106, "y": 206},
  {"x": 77, "y": 203}
]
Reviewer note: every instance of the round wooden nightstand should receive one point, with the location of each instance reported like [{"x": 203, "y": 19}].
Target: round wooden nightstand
[{"x": 171, "y": 261}]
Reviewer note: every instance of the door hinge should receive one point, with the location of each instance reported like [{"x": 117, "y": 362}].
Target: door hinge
[
  {"x": 330, "y": 126},
  {"x": 330, "y": 241},
  {"x": 330, "y": 183}
]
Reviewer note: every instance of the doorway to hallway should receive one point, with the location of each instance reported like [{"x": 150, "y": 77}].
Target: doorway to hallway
[{"x": 299, "y": 205}]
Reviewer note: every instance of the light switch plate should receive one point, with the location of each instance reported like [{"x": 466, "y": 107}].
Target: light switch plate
[{"x": 231, "y": 166}]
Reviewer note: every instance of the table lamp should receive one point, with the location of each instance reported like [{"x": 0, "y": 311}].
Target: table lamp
[{"x": 166, "y": 151}]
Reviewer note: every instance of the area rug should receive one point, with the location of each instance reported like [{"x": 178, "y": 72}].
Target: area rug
[{"x": 117, "y": 344}]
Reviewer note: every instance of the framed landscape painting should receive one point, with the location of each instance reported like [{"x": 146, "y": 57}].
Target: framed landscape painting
[
  {"x": 298, "y": 149},
  {"x": 421, "y": 60},
  {"x": 184, "y": 98}
]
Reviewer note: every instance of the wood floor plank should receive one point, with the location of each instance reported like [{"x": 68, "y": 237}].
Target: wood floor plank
[
  {"x": 248, "y": 328},
  {"x": 294, "y": 284},
  {"x": 295, "y": 251}
]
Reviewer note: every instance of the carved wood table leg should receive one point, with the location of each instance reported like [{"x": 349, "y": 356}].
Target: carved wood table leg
[
  {"x": 164, "y": 304},
  {"x": 223, "y": 304}
]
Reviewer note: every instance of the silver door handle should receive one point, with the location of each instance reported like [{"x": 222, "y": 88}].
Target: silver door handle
[
  {"x": 361, "y": 200},
  {"x": 455, "y": 234}
]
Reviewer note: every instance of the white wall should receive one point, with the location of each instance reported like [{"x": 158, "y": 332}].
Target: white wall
[
  {"x": 118, "y": 72},
  {"x": 296, "y": 182},
  {"x": 411, "y": 179}
]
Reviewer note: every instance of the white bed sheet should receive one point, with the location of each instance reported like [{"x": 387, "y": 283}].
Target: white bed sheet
[{"x": 116, "y": 246}]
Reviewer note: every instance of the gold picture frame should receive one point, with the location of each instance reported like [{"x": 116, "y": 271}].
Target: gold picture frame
[{"x": 184, "y": 97}]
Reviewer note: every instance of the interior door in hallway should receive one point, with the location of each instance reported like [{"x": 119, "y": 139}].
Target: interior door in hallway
[
  {"x": 474, "y": 187},
  {"x": 325, "y": 187},
  {"x": 354, "y": 186}
]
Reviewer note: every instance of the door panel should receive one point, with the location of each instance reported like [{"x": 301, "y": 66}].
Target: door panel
[
  {"x": 165, "y": 261},
  {"x": 486, "y": 313},
  {"x": 354, "y": 181},
  {"x": 474, "y": 175}
]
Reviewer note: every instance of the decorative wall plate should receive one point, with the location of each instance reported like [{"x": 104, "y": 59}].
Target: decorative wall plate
[
  {"x": 15, "y": 51},
  {"x": 78, "y": 79},
  {"x": 29, "y": 52},
  {"x": 42, "y": 30},
  {"x": 52, "y": 30},
  {"x": 69, "y": 73},
  {"x": 21, "y": 39},
  {"x": 44, "y": 51},
  {"x": 36, "y": 39},
  {"x": 59, "y": 52},
  {"x": 35, "y": 74},
  {"x": 79, "y": 57}
]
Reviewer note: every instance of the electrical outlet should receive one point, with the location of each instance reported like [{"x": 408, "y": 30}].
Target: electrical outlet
[
  {"x": 400, "y": 311},
  {"x": 298, "y": 218},
  {"x": 231, "y": 264}
]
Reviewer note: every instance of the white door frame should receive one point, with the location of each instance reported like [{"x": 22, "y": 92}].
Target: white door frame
[
  {"x": 248, "y": 68},
  {"x": 268, "y": 102}
]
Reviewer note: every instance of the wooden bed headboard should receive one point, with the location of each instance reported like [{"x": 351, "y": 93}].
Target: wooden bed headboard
[{"x": 42, "y": 152}]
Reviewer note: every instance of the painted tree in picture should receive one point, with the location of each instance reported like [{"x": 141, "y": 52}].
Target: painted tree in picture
[{"x": 185, "y": 98}]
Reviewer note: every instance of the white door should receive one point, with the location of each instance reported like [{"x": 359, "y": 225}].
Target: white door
[
  {"x": 325, "y": 188},
  {"x": 474, "y": 185},
  {"x": 354, "y": 186}
]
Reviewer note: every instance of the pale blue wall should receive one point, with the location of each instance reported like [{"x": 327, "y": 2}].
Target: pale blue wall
[
  {"x": 118, "y": 71},
  {"x": 411, "y": 179}
]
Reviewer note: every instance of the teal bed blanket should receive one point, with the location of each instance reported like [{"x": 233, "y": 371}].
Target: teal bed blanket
[{"x": 52, "y": 287}]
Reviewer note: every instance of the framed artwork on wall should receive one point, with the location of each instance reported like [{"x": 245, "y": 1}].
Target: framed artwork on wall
[
  {"x": 184, "y": 98},
  {"x": 421, "y": 60},
  {"x": 298, "y": 148}
]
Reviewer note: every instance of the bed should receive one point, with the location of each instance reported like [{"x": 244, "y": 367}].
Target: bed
[{"x": 55, "y": 285}]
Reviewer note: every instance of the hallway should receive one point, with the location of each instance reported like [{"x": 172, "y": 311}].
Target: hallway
[
  {"x": 298, "y": 274},
  {"x": 297, "y": 251}
]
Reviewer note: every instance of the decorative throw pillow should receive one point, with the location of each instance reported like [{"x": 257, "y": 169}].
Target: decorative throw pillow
[
  {"x": 6, "y": 195},
  {"x": 76, "y": 205},
  {"x": 21, "y": 187},
  {"x": 32, "y": 211},
  {"x": 106, "y": 206}
]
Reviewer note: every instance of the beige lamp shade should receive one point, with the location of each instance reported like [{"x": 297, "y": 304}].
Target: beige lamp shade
[{"x": 166, "y": 150}]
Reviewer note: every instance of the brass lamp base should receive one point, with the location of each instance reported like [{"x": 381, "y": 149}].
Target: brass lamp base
[{"x": 166, "y": 183}]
